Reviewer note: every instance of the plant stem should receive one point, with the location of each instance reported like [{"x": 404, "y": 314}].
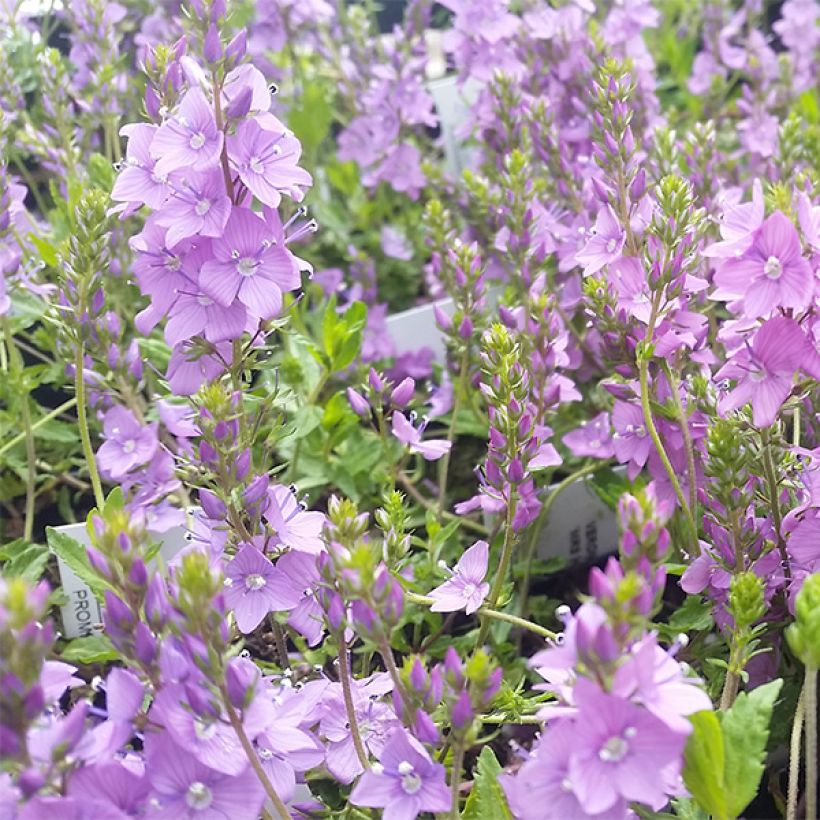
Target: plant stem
[
  {"x": 253, "y": 758},
  {"x": 810, "y": 692},
  {"x": 18, "y": 365},
  {"x": 730, "y": 687},
  {"x": 82, "y": 424},
  {"x": 493, "y": 614},
  {"x": 542, "y": 519},
  {"x": 455, "y": 779},
  {"x": 794, "y": 758},
  {"x": 413, "y": 492},
  {"x": 390, "y": 662},
  {"x": 458, "y": 398},
  {"x": 347, "y": 694},
  {"x": 643, "y": 374},
  {"x": 503, "y": 566},
  {"x": 774, "y": 500},
  {"x": 683, "y": 423},
  {"x": 37, "y": 425}
]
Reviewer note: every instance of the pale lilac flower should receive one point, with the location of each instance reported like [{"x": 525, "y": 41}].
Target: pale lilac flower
[
  {"x": 300, "y": 570},
  {"x": 593, "y": 439},
  {"x": 405, "y": 784},
  {"x": 605, "y": 243},
  {"x": 293, "y": 525},
  {"x": 765, "y": 370},
  {"x": 247, "y": 265},
  {"x": 254, "y": 588},
  {"x": 738, "y": 224},
  {"x": 139, "y": 182},
  {"x": 198, "y": 205},
  {"x": 186, "y": 789},
  {"x": 466, "y": 589},
  {"x": 268, "y": 163},
  {"x": 127, "y": 444},
  {"x": 395, "y": 244},
  {"x": 188, "y": 139},
  {"x": 631, "y": 442},
  {"x": 407, "y": 434},
  {"x": 772, "y": 273},
  {"x": 116, "y": 784},
  {"x": 402, "y": 169}
]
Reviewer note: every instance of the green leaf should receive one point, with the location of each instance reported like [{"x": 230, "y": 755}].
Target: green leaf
[
  {"x": 90, "y": 649},
  {"x": 75, "y": 556},
  {"x": 47, "y": 251},
  {"x": 28, "y": 563},
  {"x": 311, "y": 120},
  {"x": 100, "y": 172},
  {"x": 746, "y": 730},
  {"x": 487, "y": 800},
  {"x": 704, "y": 765},
  {"x": 694, "y": 615}
]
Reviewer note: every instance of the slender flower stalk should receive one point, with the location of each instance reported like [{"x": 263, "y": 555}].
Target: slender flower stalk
[
  {"x": 455, "y": 779},
  {"x": 794, "y": 757},
  {"x": 810, "y": 693},
  {"x": 43, "y": 420},
  {"x": 350, "y": 709}
]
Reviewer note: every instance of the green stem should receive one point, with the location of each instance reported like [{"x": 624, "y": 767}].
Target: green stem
[
  {"x": 810, "y": 692},
  {"x": 455, "y": 779},
  {"x": 683, "y": 423},
  {"x": 350, "y": 709},
  {"x": 82, "y": 424},
  {"x": 253, "y": 758},
  {"x": 413, "y": 492},
  {"x": 390, "y": 662},
  {"x": 444, "y": 467},
  {"x": 643, "y": 374},
  {"x": 542, "y": 519},
  {"x": 794, "y": 758},
  {"x": 492, "y": 614},
  {"x": 503, "y": 566},
  {"x": 16, "y": 362},
  {"x": 774, "y": 500},
  {"x": 37, "y": 425}
]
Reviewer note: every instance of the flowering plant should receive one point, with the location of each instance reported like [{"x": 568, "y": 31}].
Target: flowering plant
[{"x": 544, "y": 572}]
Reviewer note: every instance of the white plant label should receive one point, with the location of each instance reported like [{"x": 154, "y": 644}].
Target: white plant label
[{"x": 82, "y": 614}]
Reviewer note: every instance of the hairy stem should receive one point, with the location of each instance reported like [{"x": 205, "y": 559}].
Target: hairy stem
[
  {"x": 414, "y": 493},
  {"x": 350, "y": 709},
  {"x": 82, "y": 424},
  {"x": 774, "y": 500},
  {"x": 253, "y": 758},
  {"x": 810, "y": 692},
  {"x": 683, "y": 423},
  {"x": 794, "y": 758},
  {"x": 455, "y": 779}
]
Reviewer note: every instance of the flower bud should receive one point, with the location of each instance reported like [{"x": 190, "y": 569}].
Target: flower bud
[
  {"x": 804, "y": 634},
  {"x": 402, "y": 394}
]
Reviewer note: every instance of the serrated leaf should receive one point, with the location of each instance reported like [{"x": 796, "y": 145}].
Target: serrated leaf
[
  {"x": 90, "y": 649},
  {"x": 76, "y": 558},
  {"x": 704, "y": 765},
  {"x": 100, "y": 172},
  {"x": 694, "y": 615},
  {"x": 746, "y": 730},
  {"x": 487, "y": 800}
]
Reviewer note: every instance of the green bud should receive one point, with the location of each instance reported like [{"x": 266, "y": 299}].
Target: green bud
[
  {"x": 804, "y": 634},
  {"x": 746, "y": 602}
]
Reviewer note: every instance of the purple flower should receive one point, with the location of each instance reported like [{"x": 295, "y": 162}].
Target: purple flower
[
  {"x": 255, "y": 588},
  {"x": 300, "y": 570},
  {"x": 248, "y": 265},
  {"x": 407, "y": 434},
  {"x": 605, "y": 243},
  {"x": 267, "y": 163},
  {"x": 772, "y": 273},
  {"x": 293, "y": 525},
  {"x": 401, "y": 168},
  {"x": 765, "y": 370},
  {"x": 112, "y": 783},
  {"x": 199, "y": 205},
  {"x": 139, "y": 182},
  {"x": 395, "y": 244},
  {"x": 188, "y": 790},
  {"x": 738, "y": 225},
  {"x": 631, "y": 441},
  {"x": 466, "y": 589},
  {"x": 128, "y": 443},
  {"x": 592, "y": 439},
  {"x": 620, "y": 752},
  {"x": 189, "y": 138},
  {"x": 405, "y": 784}
]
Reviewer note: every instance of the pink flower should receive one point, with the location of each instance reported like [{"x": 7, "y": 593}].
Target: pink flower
[
  {"x": 631, "y": 443},
  {"x": 772, "y": 273},
  {"x": 267, "y": 163},
  {"x": 189, "y": 138},
  {"x": 605, "y": 244},
  {"x": 765, "y": 371},
  {"x": 247, "y": 265},
  {"x": 466, "y": 589},
  {"x": 407, "y": 434}
]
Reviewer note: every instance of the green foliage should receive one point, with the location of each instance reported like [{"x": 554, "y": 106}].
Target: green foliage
[
  {"x": 76, "y": 558},
  {"x": 20, "y": 559},
  {"x": 487, "y": 800},
  {"x": 89, "y": 649}
]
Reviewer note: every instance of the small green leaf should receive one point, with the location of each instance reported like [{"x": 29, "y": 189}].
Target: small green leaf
[
  {"x": 90, "y": 649},
  {"x": 694, "y": 615},
  {"x": 746, "y": 730},
  {"x": 27, "y": 564},
  {"x": 487, "y": 800},
  {"x": 100, "y": 172},
  {"x": 75, "y": 556},
  {"x": 704, "y": 765}
]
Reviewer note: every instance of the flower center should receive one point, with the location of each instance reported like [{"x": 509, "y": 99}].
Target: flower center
[
  {"x": 611, "y": 245},
  {"x": 773, "y": 268},
  {"x": 614, "y": 750},
  {"x": 469, "y": 589},
  {"x": 255, "y": 164},
  {"x": 246, "y": 266},
  {"x": 198, "y": 796},
  {"x": 173, "y": 264},
  {"x": 255, "y": 581},
  {"x": 197, "y": 141},
  {"x": 204, "y": 730},
  {"x": 129, "y": 446},
  {"x": 204, "y": 300},
  {"x": 410, "y": 781},
  {"x": 202, "y": 207},
  {"x": 757, "y": 375},
  {"x": 265, "y": 754},
  {"x": 566, "y": 785}
]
